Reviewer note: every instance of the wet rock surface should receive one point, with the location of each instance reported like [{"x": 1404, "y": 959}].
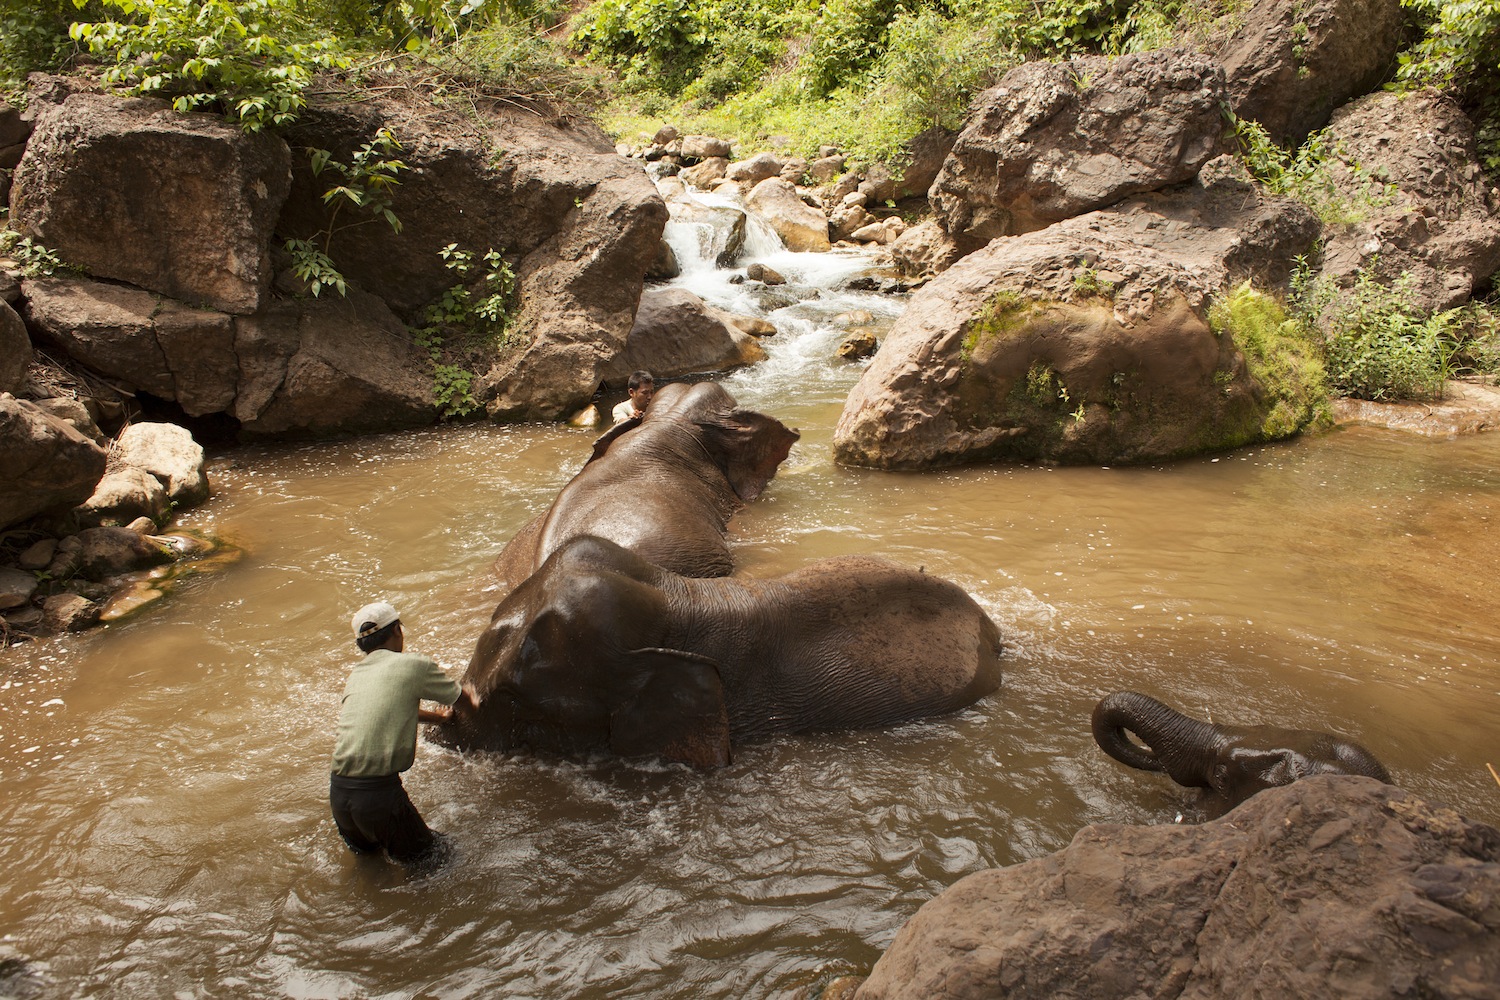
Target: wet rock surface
[{"x": 1332, "y": 886}]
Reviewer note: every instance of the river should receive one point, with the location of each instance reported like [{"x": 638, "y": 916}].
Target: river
[{"x": 163, "y": 821}]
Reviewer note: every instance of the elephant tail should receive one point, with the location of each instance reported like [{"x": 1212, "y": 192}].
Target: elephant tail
[{"x": 1173, "y": 742}]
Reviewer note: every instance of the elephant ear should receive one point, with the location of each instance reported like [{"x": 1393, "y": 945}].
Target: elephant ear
[
  {"x": 678, "y": 713},
  {"x": 748, "y": 446}
]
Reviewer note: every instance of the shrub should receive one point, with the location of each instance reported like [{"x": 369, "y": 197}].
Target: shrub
[
  {"x": 1460, "y": 52},
  {"x": 1304, "y": 174},
  {"x": 1379, "y": 346},
  {"x": 252, "y": 60}
]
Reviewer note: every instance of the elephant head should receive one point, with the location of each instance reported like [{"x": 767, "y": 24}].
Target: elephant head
[
  {"x": 601, "y": 650},
  {"x": 1233, "y": 761},
  {"x": 664, "y": 485}
]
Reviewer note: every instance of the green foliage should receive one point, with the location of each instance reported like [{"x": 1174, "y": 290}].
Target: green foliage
[
  {"x": 474, "y": 312},
  {"x": 1460, "y": 52},
  {"x": 36, "y": 260},
  {"x": 362, "y": 184},
  {"x": 1379, "y": 345},
  {"x": 34, "y": 36},
  {"x": 251, "y": 60},
  {"x": 1475, "y": 327},
  {"x": 1282, "y": 353},
  {"x": 1304, "y": 174},
  {"x": 660, "y": 40}
]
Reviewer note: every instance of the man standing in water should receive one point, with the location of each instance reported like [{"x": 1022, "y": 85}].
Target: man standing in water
[
  {"x": 377, "y": 738},
  {"x": 641, "y": 387}
]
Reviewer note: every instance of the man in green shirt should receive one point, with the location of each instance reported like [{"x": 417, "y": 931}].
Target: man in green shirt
[{"x": 377, "y": 738}]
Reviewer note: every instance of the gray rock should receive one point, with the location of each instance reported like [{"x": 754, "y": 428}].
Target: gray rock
[
  {"x": 924, "y": 249},
  {"x": 703, "y": 147},
  {"x": 760, "y": 272},
  {"x": 15, "y": 350},
  {"x": 1295, "y": 61},
  {"x": 664, "y": 135},
  {"x": 704, "y": 174},
  {"x": 800, "y": 226},
  {"x": 16, "y": 587},
  {"x": 1055, "y": 140},
  {"x": 794, "y": 170},
  {"x": 169, "y": 453},
  {"x": 1407, "y": 166},
  {"x": 110, "y": 551},
  {"x": 926, "y": 153},
  {"x": 757, "y": 168},
  {"x": 1329, "y": 887},
  {"x": 47, "y": 463},
  {"x": 124, "y": 494},
  {"x": 579, "y": 225},
  {"x": 825, "y": 169},
  {"x": 69, "y": 613},
  {"x": 1085, "y": 342},
  {"x": 677, "y": 334},
  {"x": 117, "y": 187},
  {"x": 329, "y": 366},
  {"x": 108, "y": 328},
  {"x": 860, "y": 344},
  {"x": 37, "y": 555},
  {"x": 73, "y": 412}
]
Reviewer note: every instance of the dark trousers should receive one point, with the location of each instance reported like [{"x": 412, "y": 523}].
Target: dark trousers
[{"x": 374, "y": 813}]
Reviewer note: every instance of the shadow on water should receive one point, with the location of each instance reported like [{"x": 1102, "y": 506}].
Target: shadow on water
[{"x": 164, "y": 823}]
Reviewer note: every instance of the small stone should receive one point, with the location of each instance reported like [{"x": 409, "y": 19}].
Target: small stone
[
  {"x": 16, "y": 587},
  {"x": 142, "y": 526},
  {"x": 858, "y": 345},
  {"x": 586, "y": 417},
  {"x": 130, "y": 601},
  {"x": 24, "y": 619},
  {"x": 69, "y": 613},
  {"x": 38, "y": 555},
  {"x": 760, "y": 272}
]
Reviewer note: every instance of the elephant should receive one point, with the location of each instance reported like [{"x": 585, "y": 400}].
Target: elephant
[
  {"x": 602, "y": 650},
  {"x": 1234, "y": 762},
  {"x": 664, "y": 485}
]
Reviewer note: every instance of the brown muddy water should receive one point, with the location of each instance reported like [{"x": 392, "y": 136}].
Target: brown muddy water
[{"x": 163, "y": 816}]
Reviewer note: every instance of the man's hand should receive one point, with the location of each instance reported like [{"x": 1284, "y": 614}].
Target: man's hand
[{"x": 437, "y": 715}]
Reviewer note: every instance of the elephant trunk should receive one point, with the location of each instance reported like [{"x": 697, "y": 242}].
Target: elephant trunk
[{"x": 1180, "y": 746}]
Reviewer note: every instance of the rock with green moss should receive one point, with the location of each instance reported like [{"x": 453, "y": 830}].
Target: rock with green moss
[{"x": 1096, "y": 340}]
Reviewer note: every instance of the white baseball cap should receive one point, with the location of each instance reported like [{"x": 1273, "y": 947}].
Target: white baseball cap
[{"x": 372, "y": 618}]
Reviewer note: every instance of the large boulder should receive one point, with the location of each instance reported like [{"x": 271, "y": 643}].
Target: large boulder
[
  {"x": 1329, "y": 887},
  {"x": 579, "y": 224},
  {"x": 800, "y": 226},
  {"x": 15, "y": 128},
  {"x": 298, "y": 368},
  {"x": 677, "y": 334},
  {"x": 326, "y": 366},
  {"x": 180, "y": 204},
  {"x": 1055, "y": 140},
  {"x": 1294, "y": 61},
  {"x": 925, "y": 154},
  {"x": 1087, "y": 342},
  {"x": 124, "y": 494},
  {"x": 15, "y": 350},
  {"x": 47, "y": 463},
  {"x": 1407, "y": 167}
]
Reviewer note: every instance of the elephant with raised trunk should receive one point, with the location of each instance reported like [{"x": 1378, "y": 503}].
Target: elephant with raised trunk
[
  {"x": 1233, "y": 761},
  {"x": 602, "y": 650},
  {"x": 664, "y": 485}
]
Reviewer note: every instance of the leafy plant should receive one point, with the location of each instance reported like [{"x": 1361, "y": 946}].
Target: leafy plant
[
  {"x": 477, "y": 310},
  {"x": 252, "y": 60},
  {"x": 364, "y": 184},
  {"x": 36, "y": 260},
  {"x": 1460, "y": 52},
  {"x": 1304, "y": 174},
  {"x": 1379, "y": 345}
]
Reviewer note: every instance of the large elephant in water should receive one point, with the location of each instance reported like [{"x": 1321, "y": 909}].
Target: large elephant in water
[
  {"x": 600, "y": 649},
  {"x": 1233, "y": 761},
  {"x": 664, "y": 485}
]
